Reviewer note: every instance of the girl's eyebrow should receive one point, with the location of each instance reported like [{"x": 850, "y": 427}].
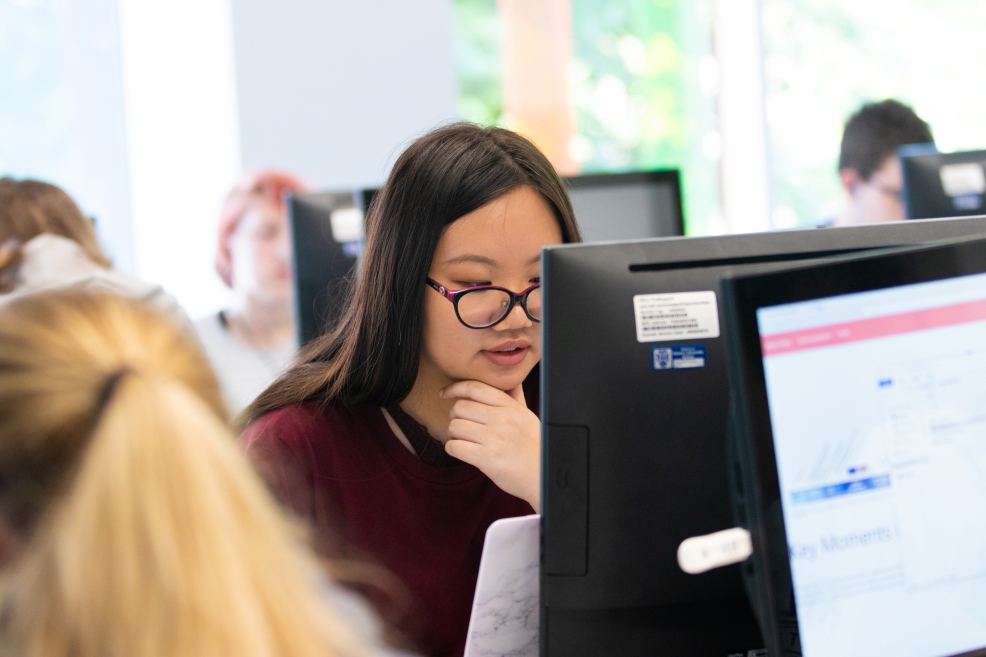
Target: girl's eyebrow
[{"x": 483, "y": 260}]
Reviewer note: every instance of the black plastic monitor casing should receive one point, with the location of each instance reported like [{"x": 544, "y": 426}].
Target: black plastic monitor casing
[
  {"x": 923, "y": 192},
  {"x": 322, "y": 266},
  {"x": 634, "y": 460},
  {"x": 757, "y": 492},
  {"x": 622, "y": 206}
]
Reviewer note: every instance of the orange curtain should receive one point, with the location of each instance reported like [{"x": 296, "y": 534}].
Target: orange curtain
[{"x": 537, "y": 48}]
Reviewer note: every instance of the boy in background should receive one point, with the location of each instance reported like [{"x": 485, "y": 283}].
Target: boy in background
[{"x": 869, "y": 169}]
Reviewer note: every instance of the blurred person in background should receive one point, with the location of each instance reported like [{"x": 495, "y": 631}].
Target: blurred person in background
[
  {"x": 130, "y": 523},
  {"x": 47, "y": 243},
  {"x": 869, "y": 168},
  {"x": 253, "y": 341}
]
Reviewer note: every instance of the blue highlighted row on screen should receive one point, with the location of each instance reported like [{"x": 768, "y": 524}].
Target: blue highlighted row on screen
[{"x": 835, "y": 490}]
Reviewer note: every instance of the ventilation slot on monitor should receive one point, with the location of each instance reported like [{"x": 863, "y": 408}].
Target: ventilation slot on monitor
[{"x": 746, "y": 260}]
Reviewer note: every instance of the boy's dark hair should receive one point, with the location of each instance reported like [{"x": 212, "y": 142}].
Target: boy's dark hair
[{"x": 876, "y": 131}]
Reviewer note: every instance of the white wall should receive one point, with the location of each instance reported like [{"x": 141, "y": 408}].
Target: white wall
[
  {"x": 329, "y": 90},
  {"x": 743, "y": 164},
  {"x": 183, "y": 140},
  {"x": 334, "y": 89},
  {"x": 61, "y": 109}
]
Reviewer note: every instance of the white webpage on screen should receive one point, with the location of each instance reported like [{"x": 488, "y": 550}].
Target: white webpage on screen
[{"x": 878, "y": 412}]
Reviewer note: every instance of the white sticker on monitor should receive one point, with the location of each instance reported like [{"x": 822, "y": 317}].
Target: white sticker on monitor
[
  {"x": 347, "y": 225},
  {"x": 961, "y": 179},
  {"x": 676, "y": 316}
]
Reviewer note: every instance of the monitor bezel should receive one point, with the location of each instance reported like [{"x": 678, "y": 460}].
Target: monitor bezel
[
  {"x": 671, "y": 177},
  {"x": 743, "y": 297},
  {"x": 915, "y": 164},
  {"x": 310, "y": 312}
]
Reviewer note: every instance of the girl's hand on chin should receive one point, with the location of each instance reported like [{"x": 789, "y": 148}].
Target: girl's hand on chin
[{"x": 496, "y": 432}]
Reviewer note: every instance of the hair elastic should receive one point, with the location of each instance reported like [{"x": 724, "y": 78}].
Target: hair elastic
[{"x": 109, "y": 387}]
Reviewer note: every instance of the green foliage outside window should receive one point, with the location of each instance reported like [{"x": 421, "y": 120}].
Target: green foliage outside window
[
  {"x": 825, "y": 58},
  {"x": 634, "y": 86},
  {"x": 478, "y": 61}
]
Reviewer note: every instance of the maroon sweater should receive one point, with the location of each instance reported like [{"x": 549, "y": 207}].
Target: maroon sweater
[{"x": 423, "y": 518}]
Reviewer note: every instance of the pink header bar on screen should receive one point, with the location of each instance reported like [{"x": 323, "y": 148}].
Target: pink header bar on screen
[{"x": 875, "y": 327}]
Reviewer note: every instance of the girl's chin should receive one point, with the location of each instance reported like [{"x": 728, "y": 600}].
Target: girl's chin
[{"x": 506, "y": 380}]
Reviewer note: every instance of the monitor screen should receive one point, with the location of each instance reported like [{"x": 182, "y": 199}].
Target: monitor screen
[
  {"x": 943, "y": 184},
  {"x": 626, "y": 206},
  {"x": 327, "y": 240},
  {"x": 634, "y": 411},
  {"x": 876, "y": 404}
]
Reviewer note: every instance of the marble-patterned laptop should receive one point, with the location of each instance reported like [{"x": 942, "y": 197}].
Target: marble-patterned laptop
[{"x": 505, "y": 609}]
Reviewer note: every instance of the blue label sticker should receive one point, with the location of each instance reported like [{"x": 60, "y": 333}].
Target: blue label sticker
[{"x": 681, "y": 357}]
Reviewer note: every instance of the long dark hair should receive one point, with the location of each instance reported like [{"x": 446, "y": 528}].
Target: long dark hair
[{"x": 371, "y": 355}]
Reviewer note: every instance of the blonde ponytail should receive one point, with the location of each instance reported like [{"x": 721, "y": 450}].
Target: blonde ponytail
[{"x": 159, "y": 540}]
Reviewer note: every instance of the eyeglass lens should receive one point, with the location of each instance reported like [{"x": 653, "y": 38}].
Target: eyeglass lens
[{"x": 484, "y": 307}]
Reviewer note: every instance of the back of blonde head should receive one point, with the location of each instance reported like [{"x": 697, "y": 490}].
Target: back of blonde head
[{"x": 144, "y": 531}]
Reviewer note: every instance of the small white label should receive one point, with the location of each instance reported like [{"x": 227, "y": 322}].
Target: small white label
[
  {"x": 676, "y": 316},
  {"x": 960, "y": 179},
  {"x": 347, "y": 225}
]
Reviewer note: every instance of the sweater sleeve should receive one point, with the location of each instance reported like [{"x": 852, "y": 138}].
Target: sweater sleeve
[{"x": 274, "y": 445}]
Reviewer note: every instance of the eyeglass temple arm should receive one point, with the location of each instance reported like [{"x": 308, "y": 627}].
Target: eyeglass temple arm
[{"x": 442, "y": 290}]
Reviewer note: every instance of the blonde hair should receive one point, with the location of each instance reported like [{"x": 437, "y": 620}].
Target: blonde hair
[{"x": 145, "y": 531}]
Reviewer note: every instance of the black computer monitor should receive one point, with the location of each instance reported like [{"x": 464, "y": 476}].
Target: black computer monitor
[
  {"x": 944, "y": 184},
  {"x": 366, "y": 196},
  {"x": 327, "y": 238},
  {"x": 634, "y": 405},
  {"x": 625, "y": 206},
  {"x": 859, "y": 389}
]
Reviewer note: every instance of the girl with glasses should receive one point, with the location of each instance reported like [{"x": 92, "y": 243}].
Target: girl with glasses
[{"x": 411, "y": 426}]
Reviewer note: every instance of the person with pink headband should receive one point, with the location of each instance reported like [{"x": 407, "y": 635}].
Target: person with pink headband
[{"x": 251, "y": 342}]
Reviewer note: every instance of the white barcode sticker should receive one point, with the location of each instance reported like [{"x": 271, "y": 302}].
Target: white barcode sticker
[
  {"x": 962, "y": 179},
  {"x": 676, "y": 316}
]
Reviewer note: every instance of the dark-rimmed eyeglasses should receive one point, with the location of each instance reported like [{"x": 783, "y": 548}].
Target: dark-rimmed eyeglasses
[{"x": 485, "y": 306}]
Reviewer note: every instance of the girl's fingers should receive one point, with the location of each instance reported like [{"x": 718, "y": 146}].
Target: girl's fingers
[
  {"x": 518, "y": 395},
  {"x": 467, "y": 409},
  {"x": 465, "y": 451},
  {"x": 473, "y": 432},
  {"x": 476, "y": 391}
]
